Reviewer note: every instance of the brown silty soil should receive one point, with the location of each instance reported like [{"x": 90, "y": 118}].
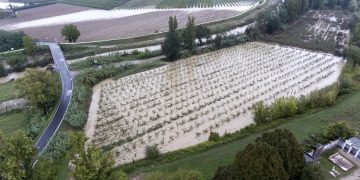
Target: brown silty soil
[{"x": 130, "y": 26}]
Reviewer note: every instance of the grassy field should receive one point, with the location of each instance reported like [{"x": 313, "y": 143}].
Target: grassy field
[
  {"x": 13, "y": 121},
  {"x": 312, "y": 123},
  {"x": 7, "y": 91}
]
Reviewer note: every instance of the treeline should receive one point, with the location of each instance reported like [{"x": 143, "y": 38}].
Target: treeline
[
  {"x": 9, "y": 40},
  {"x": 275, "y": 155},
  {"x": 277, "y": 17},
  {"x": 287, "y": 107}
]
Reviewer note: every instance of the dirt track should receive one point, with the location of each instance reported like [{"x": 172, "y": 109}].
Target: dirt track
[{"x": 128, "y": 26}]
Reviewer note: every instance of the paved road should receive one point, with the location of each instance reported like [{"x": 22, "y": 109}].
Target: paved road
[{"x": 67, "y": 87}]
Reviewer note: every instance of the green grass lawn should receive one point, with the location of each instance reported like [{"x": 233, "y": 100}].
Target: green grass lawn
[
  {"x": 7, "y": 91},
  {"x": 207, "y": 162},
  {"x": 13, "y": 121}
]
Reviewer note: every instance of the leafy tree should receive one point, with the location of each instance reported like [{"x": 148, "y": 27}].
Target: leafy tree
[
  {"x": 171, "y": 46},
  {"x": 353, "y": 6},
  {"x": 218, "y": 42},
  {"x": 189, "y": 35},
  {"x": 259, "y": 161},
  {"x": 338, "y": 130},
  {"x": 3, "y": 71},
  {"x": 9, "y": 40},
  {"x": 253, "y": 32},
  {"x": 331, "y": 3},
  {"x": 261, "y": 113},
  {"x": 30, "y": 46},
  {"x": 225, "y": 173},
  {"x": 43, "y": 170},
  {"x": 70, "y": 32},
  {"x": 152, "y": 152},
  {"x": 288, "y": 148},
  {"x": 353, "y": 53},
  {"x": 90, "y": 162},
  {"x": 214, "y": 137},
  {"x": 41, "y": 88},
  {"x": 17, "y": 63},
  {"x": 202, "y": 32},
  {"x": 16, "y": 154},
  {"x": 118, "y": 175},
  {"x": 312, "y": 171}
]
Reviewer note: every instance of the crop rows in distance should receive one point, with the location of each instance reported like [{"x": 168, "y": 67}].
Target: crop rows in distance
[
  {"x": 164, "y": 4},
  {"x": 178, "y": 105}
]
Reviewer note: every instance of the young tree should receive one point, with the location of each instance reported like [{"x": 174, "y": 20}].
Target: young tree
[
  {"x": 218, "y": 42},
  {"x": 353, "y": 6},
  {"x": 189, "y": 35},
  {"x": 90, "y": 162},
  {"x": 43, "y": 170},
  {"x": 171, "y": 46},
  {"x": 202, "y": 32},
  {"x": 30, "y": 46},
  {"x": 70, "y": 32},
  {"x": 17, "y": 63},
  {"x": 3, "y": 71},
  {"x": 261, "y": 113},
  {"x": 289, "y": 149},
  {"x": 41, "y": 88},
  {"x": 338, "y": 130}
]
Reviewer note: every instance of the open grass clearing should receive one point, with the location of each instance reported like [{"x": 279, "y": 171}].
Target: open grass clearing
[
  {"x": 13, "y": 121},
  {"x": 8, "y": 91}
]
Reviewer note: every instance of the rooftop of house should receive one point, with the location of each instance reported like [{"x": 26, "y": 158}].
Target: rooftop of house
[{"x": 355, "y": 141}]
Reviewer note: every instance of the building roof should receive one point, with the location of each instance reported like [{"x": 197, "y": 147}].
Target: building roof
[{"x": 355, "y": 141}]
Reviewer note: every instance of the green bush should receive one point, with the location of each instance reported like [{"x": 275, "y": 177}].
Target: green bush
[
  {"x": 152, "y": 152},
  {"x": 214, "y": 136},
  {"x": 338, "y": 130},
  {"x": 58, "y": 146}
]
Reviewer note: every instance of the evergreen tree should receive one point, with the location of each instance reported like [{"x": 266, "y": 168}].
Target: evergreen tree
[
  {"x": 259, "y": 161},
  {"x": 189, "y": 35},
  {"x": 288, "y": 148},
  {"x": 171, "y": 46},
  {"x": 202, "y": 32}
]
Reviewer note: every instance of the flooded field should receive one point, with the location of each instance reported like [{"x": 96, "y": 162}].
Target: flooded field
[{"x": 178, "y": 105}]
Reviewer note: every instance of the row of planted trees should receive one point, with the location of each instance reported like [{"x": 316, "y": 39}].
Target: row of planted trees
[
  {"x": 176, "y": 41},
  {"x": 287, "y": 107}
]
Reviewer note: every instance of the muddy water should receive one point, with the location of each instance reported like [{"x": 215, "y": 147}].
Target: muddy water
[{"x": 176, "y": 106}]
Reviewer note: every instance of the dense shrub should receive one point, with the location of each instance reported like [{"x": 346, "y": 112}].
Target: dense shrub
[
  {"x": 37, "y": 122},
  {"x": 10, "y": 40},
  {"x": 58, "y": 146},
  {"x": 338, "y": 130},
  {"x": 180, "y": 174},
  {"x": 152, "y": 152},
  {"x": 18, "y": 63},
  {"x": 214, "y": 136}
]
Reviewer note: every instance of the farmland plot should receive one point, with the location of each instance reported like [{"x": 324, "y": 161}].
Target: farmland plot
[{"x": 178, "y": 105}]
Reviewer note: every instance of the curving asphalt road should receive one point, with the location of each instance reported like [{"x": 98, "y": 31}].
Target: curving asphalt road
[{"x": 67, "y": 87}]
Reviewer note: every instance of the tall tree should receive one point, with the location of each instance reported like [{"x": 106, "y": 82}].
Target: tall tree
[
  {"x": 70, "y": 32},
  {"x": 259, "y": 161},
  {"x": 172, "y": 46},
  {"x": 355, "y": 34},
  {"x": 16, "y": 154},
  {"x": 30, "y": 46},
  {"x": 189, "y": 35},
  {"x": 43, "y": 170},
  {"x": 288, "y": 148},
  {"x": 41, "y": 88},
  {"x": 91, "y": 162},
  {"x": 353, "y": 6},
  {"x": 202, "y": 32}
]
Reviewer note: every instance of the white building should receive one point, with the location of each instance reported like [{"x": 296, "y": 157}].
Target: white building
[{"x": 352, "y": 146}]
